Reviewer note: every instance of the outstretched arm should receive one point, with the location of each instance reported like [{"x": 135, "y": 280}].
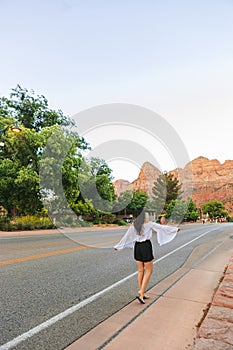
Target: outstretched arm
[
  {"x": 127, "y": 240},
  {"x": 165, "y": 233}
]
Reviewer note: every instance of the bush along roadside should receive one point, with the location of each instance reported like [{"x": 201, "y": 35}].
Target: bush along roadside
[{"x": 28, "y": 222}]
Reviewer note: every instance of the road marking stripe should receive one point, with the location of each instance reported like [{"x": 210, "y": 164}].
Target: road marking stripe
[
  {"x": 45, "y": 255},
  {"x": 32, "y": 245},
  {"x": 83, "y": 303}
]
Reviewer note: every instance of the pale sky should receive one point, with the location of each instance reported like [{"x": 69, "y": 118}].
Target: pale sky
[{"x": 172, "y": 57}]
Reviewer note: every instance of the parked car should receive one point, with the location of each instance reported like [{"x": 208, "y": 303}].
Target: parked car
[{"x": 128, "y": 220}]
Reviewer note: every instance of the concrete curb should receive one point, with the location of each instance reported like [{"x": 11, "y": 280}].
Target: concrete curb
[{"x": 216, "y": 330}]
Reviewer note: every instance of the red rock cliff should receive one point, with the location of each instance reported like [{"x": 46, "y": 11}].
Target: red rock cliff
[{"x": 202, "y": 179}]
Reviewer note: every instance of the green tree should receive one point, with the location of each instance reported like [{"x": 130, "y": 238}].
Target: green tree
[
  {"x": 122, "y": 202},
  {"x": 214, "y": 209},
  {"x": 166, "y": 188},
  {"x": 192, "y": 212},
  {"x": 31, "y": 110},
  {"x": 19, "y": 192},
  {"x": 138, "y": 201},
  {"x": 20, "y": 160},
  {"x": 43, "y": 165},
  {"x": 8, "y": 192},
  {"x": 95, "y": 183},
  {"x": 59, "y": 167},
  {"x": 176, "y": 210}
]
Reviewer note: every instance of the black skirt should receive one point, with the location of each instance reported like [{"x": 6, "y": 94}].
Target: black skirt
[{"x": 143, "y": 251}]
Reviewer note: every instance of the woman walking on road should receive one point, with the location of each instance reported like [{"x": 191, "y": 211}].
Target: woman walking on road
[{"x": 139, "y": 236}]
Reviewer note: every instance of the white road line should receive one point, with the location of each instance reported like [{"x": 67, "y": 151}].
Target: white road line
[{"x": 83, "y": 303}]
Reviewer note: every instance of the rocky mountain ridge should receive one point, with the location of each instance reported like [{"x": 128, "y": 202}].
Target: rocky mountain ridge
[{"x": 202, "y": 179}]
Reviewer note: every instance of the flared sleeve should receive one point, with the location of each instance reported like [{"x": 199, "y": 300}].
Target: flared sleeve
[
  {"x": 165, "y": 234},
  {"x": 127, "y": 240}
]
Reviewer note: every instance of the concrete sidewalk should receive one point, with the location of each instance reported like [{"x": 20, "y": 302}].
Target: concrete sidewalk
[
  {"x": 175, "y": 310},
  {"x": 216, "y": 331}
]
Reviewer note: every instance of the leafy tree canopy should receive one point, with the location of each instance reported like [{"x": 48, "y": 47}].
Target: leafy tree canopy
[
  {"x": 214, "y": 209},
  {"x": 43, "y": 150},
  {"x": 166, "y": 188},
  {"x": 192, "y": 212},
  {"x": 176, "y": 210},
  {"x": 138, "y": 201},
  {"x": 95, "y": 184},
  {"x": 31, "y": 110}
]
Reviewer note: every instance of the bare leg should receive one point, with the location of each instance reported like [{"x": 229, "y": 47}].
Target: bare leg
[
  {"x": 141, "y": 269},
  {"x": 146, "y": 277}
]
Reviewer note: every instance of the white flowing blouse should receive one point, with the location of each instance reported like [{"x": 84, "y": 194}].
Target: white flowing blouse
[{"x": 165, "y": 234}]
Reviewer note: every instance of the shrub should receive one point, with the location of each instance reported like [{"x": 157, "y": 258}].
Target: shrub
[
  {"x": 3, "y": 222},
  {"x": 69, "y": 220},
  {"x": 97, "y": 221},
  {"x": 119, "y": 222},
  {"x": 83, "y": 223},
  {"x": 28, "y": 222}
]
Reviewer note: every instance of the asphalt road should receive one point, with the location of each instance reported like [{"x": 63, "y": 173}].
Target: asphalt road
[{"x": 55, "y": 288}]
